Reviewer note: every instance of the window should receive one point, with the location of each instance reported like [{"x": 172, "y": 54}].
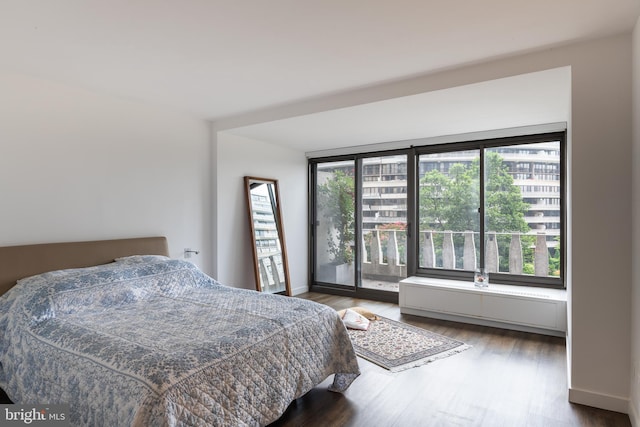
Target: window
[
  {"x": 442, "y": 211},
  {"x": 483, "y": 211},
  {"x": 448, "y": 212}
]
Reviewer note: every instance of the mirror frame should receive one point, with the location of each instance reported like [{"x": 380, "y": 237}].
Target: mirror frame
[{"x": 248, "y": 180}]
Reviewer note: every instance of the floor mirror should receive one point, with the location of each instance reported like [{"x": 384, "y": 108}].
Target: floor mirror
[{"x": 270, "y": 261}]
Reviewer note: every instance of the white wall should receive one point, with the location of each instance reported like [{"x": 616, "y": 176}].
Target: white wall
[
  {"x": 634, "y": 406},
  {"x": 237, "y": 157},
  {"x": 599, "y": 237},
  {"x": 76, "y": 165},
  {"x": 601, "y": 224}
]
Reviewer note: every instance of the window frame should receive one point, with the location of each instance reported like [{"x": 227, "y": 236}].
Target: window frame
[
  {"x": 413, "y": 176},
  {"x": 355, "y": 290},
  {"x": 482, "y": 145}
]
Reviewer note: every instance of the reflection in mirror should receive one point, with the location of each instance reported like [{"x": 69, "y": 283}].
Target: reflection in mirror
[{"x": 267, "y": 235}]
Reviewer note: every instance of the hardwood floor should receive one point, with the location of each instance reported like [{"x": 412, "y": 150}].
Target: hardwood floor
[{"x": 506, "y": 379}]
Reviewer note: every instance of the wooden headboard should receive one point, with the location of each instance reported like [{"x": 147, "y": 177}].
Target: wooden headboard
[{"x": 17, "y": 262}]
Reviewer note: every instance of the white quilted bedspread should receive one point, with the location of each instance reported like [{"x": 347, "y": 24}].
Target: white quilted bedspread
[{"x": 149, "y": 341}]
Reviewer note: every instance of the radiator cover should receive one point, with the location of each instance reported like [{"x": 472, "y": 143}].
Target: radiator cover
[{"x": 537, "y": 310}]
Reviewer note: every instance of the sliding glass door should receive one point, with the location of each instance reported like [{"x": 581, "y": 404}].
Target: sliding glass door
[
  {"x": 359, "y": 224},
  {"x": 383, "y": 260},
  {"x": 334, "y": 223}
]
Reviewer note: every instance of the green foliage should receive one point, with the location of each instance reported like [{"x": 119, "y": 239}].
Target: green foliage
[
  {"x": 528, "y": 268},
  {"x": 528, "y": 253},
  {"x": 336, "y": 196},
  {"x": 401, "y": 239},
  {"x": 451, "y": 201},
  {"x": 434, "y": 203},
  {"x": 554, "y": 260},
  {"x": 504, "y": 207}
]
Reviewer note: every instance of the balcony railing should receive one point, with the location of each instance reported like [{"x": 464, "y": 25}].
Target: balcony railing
[
  {"x": 272, "y": 277},
  {"x": 382, "y": 256},
  {"x": 384, "y": 252}
]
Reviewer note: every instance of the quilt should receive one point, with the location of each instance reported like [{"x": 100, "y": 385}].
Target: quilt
[{"x": 151, "y": 341}]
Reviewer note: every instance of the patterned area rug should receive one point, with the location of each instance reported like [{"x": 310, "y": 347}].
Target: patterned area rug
[{"x": 398, "y": 346}]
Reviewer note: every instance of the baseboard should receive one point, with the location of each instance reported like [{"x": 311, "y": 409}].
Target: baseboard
[
  {"x": 299, "y": 290},
  {"x": 598, "y": 400},
  {"x": 633, "y": 415}
]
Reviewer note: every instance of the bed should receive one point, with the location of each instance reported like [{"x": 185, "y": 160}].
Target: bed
[{"x": 127, "y": 336}]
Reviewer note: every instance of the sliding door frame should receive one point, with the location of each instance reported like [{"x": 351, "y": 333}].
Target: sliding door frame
[{"x": 356, "y": 290}]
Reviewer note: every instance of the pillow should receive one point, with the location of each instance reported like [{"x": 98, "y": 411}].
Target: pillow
[
  {"x": 139, "y": 259},
  {"x": 363, "y": 311},
  {"x": 355, "y": 320}
]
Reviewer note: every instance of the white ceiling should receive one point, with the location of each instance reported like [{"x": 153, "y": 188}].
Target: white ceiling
[
  {"x": 525, "y": 100},
  {"x": 216, "y": 59}
]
